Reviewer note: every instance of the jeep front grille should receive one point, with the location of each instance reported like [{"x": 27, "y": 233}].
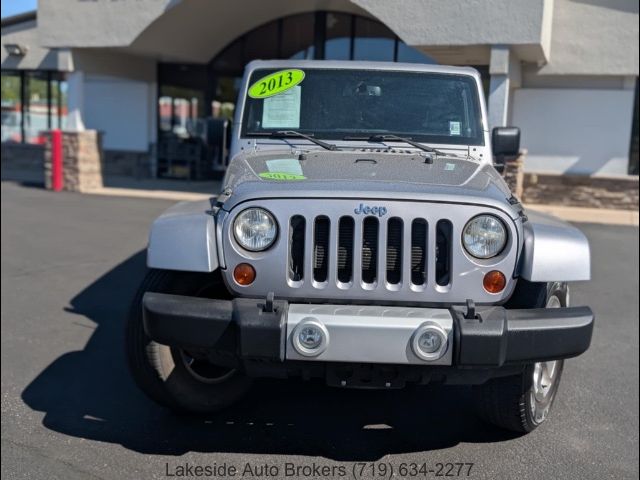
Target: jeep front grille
[
  {"x": 328, "y": 250},
  {"x": 379, "y": 242}
]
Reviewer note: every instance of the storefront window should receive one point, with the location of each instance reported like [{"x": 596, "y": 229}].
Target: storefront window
[
  {"x": 36, "y": 108},
  {"x": 230, "y": 59},
  {"x": 179, "y": 109},
  {"x": 338, "y": 43},
  {"x": 262, "y": 43},
  {"x": 319, "y": 35},
  {"x": 296, "y": 40},
  {"x": 224, "y": 102},
  {"x": 165, "y": 113},
  {"x": 59, "y": 88},
  {"x": 373, "y": 41},
  {"x": 33, "y": 101},
  {"x": 11, "y": 107},
  {"x": 182, "y": 98}
]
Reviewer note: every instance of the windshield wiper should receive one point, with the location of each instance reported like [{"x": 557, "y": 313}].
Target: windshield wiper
[
  {"x": 382, "y": 138},
  {"x": 293, "y": 133}
]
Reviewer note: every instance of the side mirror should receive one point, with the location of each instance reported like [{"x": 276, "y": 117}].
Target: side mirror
[{"x": 505, "y": 143}]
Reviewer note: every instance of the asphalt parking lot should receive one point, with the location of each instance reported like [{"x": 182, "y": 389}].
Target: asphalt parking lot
[{"x": 70, "y": 265}]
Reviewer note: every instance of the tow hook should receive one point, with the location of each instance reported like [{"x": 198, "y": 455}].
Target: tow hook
[
  {"x": 471, "y": 310},
  {"x": 268, "y": 304}
]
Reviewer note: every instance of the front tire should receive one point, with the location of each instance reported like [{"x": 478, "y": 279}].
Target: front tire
[
  {"x": 522, "y": 402},
  {"x": 183, "y": 381}
]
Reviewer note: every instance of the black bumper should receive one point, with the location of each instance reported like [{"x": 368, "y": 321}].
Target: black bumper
[
  {"x": 507, "y": 337},
  {"x": 256, "y": 330}
]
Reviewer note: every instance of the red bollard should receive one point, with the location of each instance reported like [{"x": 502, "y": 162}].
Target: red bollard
[{"x": 56, "y": 160}]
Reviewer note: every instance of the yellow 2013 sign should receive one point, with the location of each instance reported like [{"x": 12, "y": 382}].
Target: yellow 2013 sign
[{"x": 275, "y": 83}]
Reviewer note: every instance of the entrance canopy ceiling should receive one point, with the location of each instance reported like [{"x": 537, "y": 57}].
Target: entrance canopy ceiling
[
  {"x": 196, "y": 30},
  {"x": 189, "y": 34},
  {"x": 168, "y": 30}
]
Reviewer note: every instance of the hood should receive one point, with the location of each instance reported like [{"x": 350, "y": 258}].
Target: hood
[{"x": 364, "y": 173}]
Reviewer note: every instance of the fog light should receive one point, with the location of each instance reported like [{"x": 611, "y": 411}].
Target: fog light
[
  {"x": 244, "y": 274},
  {"x": 310, "y": 338},
  {"x": 494, "y": 281},
  {"x": 429, "y": 342}
]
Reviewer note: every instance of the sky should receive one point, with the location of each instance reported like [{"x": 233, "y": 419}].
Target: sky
[{"x": 14, "y": 7}]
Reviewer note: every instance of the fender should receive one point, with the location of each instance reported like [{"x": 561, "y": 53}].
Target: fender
[
  {"x": 554, "y": 251},
  {"x": 183, "y": 237}
]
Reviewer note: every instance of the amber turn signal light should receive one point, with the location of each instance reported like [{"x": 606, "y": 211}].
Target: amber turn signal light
[
  {"x": 494, "y": 281},
  {"x": 244, "y": 274}
]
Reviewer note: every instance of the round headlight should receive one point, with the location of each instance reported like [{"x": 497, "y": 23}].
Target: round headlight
[
  {"x": 255, "y": 229},
  {"x": 484, "y": 236}
]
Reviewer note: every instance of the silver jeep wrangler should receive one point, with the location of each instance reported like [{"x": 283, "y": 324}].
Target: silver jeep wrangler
[{"x": 363, "y": 236}]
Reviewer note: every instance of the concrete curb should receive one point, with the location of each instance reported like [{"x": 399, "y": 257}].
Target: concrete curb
[
  {"x": 572, "y": 214},
  {"x": 153, "y": 194}
]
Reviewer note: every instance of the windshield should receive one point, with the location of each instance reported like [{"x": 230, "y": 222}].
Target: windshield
[{"x": 339, "y": 103}]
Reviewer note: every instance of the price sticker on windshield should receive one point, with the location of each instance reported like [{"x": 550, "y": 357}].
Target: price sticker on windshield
[{"x": 276, "y": 83}]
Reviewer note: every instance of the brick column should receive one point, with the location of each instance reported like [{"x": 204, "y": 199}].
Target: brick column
[
  {"x": 514, "y": 174},
  {"x": 81, "y": 163}
]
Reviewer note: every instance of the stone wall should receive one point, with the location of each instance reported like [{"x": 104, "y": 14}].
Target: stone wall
[
  {"x": 81, "y": 160},
  {"x": 613, "y": 192},
  {"x": 22, "y": 156},
  {"x": 126, "y": 163},
  {"x": 514, "y": 174},
  {"x": 20, "y": 161},
  {"x": 620, "y": 193}
]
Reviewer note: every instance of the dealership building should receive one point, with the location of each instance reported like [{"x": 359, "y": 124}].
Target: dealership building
[{"x": 149, "y": 73}]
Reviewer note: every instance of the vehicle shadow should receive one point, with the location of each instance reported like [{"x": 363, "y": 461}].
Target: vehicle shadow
[{"x": 89, "y": 394}]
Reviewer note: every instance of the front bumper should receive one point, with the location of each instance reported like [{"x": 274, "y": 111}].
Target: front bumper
[{"x": 250, "y": 329}]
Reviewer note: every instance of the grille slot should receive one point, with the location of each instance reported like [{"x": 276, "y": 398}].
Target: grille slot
[
  {"x": 418, "y": 251},
  {"x": 370, "y": 250},
  {"x": 296, "y": 248},
  {"x": 444, "y": 231},
  {"x": 345, "y": 249},
  {"x": 321, "y": 249},
  {"x": 394, "y": 251}
]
